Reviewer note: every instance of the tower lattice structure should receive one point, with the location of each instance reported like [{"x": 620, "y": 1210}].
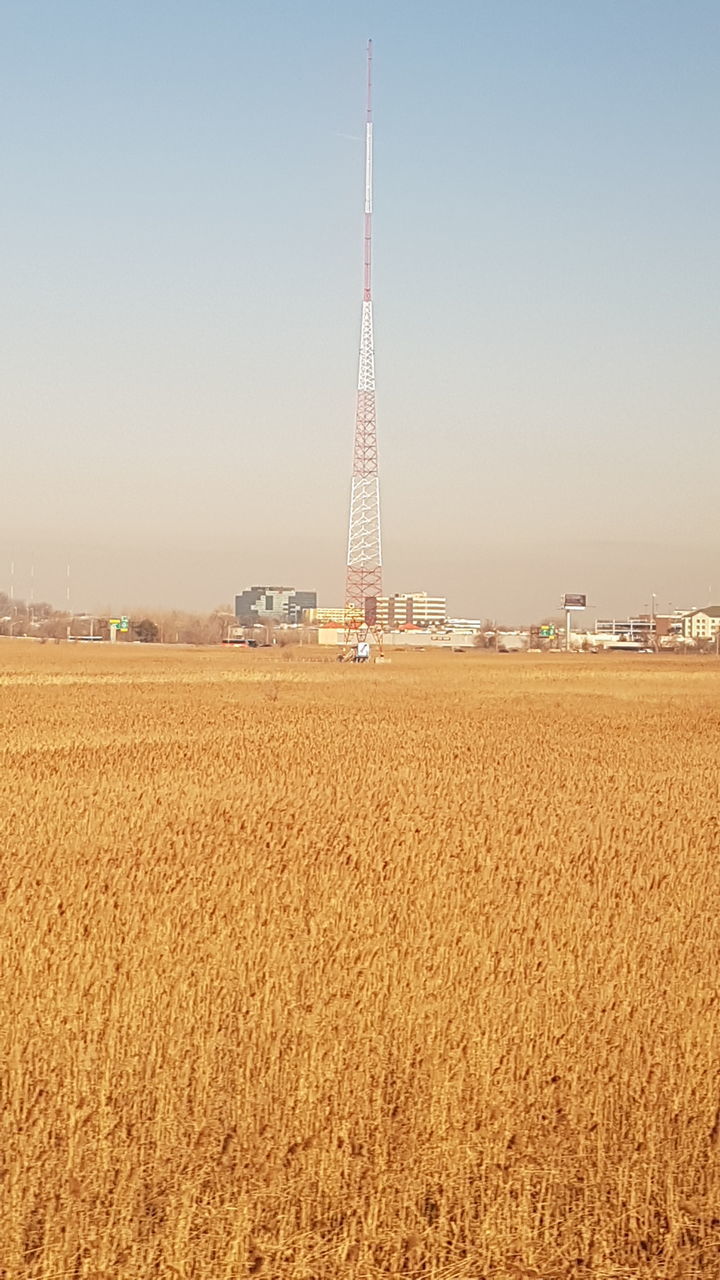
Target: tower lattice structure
[{"x": 363, "y": 582}]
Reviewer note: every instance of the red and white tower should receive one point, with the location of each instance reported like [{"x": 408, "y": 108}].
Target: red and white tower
[{"x": 363, "y": 582}]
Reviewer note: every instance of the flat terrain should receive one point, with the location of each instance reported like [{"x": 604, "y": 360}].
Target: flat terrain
[{"x": 315, "y": 971}]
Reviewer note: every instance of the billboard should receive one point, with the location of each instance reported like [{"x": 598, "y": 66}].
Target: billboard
[{"x": 574, "y": 602}]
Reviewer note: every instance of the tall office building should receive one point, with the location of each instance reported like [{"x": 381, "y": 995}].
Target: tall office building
[{"x": 273, "y": 604}]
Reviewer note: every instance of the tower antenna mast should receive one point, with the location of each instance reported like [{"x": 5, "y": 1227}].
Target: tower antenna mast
[{"x": 363, "y": 582}]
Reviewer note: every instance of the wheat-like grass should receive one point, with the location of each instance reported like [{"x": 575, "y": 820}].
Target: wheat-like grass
[{"x": 313, "y": 971}]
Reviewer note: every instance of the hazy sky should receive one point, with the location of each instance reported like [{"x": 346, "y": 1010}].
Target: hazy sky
[{"x": 181, "y": 228}]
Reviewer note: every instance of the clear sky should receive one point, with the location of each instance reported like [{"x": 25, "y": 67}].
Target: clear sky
[{"x": 181, "y": 233}]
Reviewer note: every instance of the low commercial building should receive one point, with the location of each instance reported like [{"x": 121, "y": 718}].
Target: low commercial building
[
  {"x": 475, "y": 625},
  {"x": 273, "y": 604},
  {"x": 408, "y": 638},
  {"x": 670, "y": 624},
  {"x": 330, "y": 634},
  {"x": 320, "y": 617}
]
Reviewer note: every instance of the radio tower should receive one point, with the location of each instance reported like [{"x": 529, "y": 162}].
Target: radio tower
[{"x": 363, "y": 582}]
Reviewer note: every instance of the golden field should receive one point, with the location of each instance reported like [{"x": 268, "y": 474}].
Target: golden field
[{"x": 315, "y": 971}]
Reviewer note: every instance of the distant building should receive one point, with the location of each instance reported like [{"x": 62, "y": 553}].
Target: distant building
[
  {"x": 474, "y": 625},
  {"x": 415, "y": 638},
  {"x": 418, "y": 609},
  {"x": 319, "y": 617},
  {"x": 393, "y": 612},
  {"x": 639, "y": 628},
  {"x": 702, "y": 624},
  {"x": 670, "y": 624},
  {"x": 273, "y": 604},
  {"x": 645, "y": 626}
]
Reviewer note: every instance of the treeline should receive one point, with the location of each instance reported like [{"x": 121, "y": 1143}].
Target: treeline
[{"x": 40, "y": 620}]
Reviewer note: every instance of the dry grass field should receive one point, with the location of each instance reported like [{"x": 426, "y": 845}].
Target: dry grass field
[{"x": 312, "y": 971}]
